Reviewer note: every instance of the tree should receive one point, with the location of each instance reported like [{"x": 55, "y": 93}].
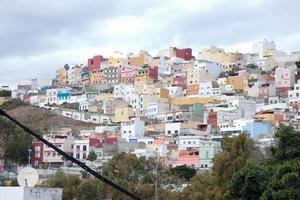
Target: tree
[
  {"x": 236, "y": 153},
  {"x": 14, "y": 143},
  {"x": 5, "y": 93},
  {"x": 69, "y": 184},
  {"x": 247, "y": 183},
  {"x": 277, "y": 177},
  {"x": 183, "y": 172},
  {"x": 92, "y": 156},
  {"x": 67, "y": 67},
  {"x": 287, "y": 146}
]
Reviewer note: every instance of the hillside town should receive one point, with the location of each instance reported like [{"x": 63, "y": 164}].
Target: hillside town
[{"x": 175, "y": 105}]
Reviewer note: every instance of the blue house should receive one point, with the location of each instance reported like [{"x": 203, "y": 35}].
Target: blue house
[
  {"x": 63, "y": 96},
  {"x": 257, "y": 129}
]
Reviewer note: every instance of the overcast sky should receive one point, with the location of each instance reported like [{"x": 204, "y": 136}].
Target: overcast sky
[{"x": 39, "y": 36}]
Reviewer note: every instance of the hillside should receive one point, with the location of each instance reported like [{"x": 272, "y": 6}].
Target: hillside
[{"x": 42, "y": 119}]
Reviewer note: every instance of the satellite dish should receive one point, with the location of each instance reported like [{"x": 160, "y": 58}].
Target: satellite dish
[{"x": 28, "y": 177}]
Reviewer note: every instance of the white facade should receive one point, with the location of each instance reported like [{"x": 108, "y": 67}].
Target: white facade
[
  {"x": 172, "y": 128},
  {"x": 30, "y": 193},
  {"x": 294, "y": 95},
  {"x": 189, "y": 142},
  {"x": 134, "y": 128},
  {"x": 81, "y": 149},
  {"x": 83, "y": 106},
  {"x": 262, "y": 47},
  {"x": 154, "y": 108},
  {"x": 212, "y": 68},
  {"x": 52, "y": 96},
  {"x": 175, "y": 91},
  {"x": 124, "y": 91},
  {"x": 207, "y": 151}
]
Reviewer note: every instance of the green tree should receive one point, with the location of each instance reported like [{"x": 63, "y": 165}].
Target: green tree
[
  {"x": 14, "y": 143},
  {"x": 287, "y": 144},
  {"x": 183, "y": 172},
  {"x": 69, "y": 184},
  {"x": 5, "y": 93},
  {"x": 247, "y": 183},
  {"x": 277, "y": 177},
  {"x": 92, "y": 156}
]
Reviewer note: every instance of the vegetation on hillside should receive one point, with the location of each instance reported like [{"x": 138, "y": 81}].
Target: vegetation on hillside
[{"x": 240, "y": 172}]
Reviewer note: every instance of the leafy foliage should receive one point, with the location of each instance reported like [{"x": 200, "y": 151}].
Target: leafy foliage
[
  {"x": 5, "y": 93},
  {"x": 92, "y": 156},
  {"x": 14, "y": 142},
  {"x": 13, "y": 103},
  {"x": 275, "y": 178},
  {"x": 183, "y": 172}
]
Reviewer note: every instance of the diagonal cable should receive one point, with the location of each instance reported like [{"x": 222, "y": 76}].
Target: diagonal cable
[{"x": 68, "y": 157}]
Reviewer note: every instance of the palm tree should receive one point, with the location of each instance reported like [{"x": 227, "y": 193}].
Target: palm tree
[{"x": 67, "y": 67}]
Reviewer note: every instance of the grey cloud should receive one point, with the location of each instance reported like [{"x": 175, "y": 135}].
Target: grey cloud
[{"x": 30, "y": 28}]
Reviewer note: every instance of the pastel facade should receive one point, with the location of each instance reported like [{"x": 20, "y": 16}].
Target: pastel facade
[
  {"x": 132, "y": 129},
  {"x": 218, "y": 55},
  {"x": 284, "y": 78}
]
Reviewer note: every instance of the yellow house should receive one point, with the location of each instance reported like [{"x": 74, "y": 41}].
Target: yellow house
[
  {"x": 61, "y": 75},
  {"x": 123, "y": 113},
  {"x": 238, "y": 82},
  {"x": 97, "y": 77},
  {"x": 115, "y": 62},
  {"x": 142, "y": 59},
  {"x": 153, "y": 90},
  {"x": 218, "y": 55},
  {"x": 141, "y": 84},
  {"x": 106, "y": 96},
  {"x": 197, "y": 76},
  {"x": 189, "y": 101}
]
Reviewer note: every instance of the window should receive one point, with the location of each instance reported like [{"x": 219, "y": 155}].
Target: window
[
  {"x": 84, "y": 147},
  {"x": 169, "y": 132},
  {"x": 84, "y": 155},
  {"x": 206, "y": 154}
]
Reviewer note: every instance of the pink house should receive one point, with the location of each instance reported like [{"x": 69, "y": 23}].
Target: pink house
[
  {"x": 284, "y": 79},
  {"x": 184, "y": 157},
  {"x": 95, "y": 62},
  {"x": 128, "y": 74},
  {"x": 179, "y": 80}
]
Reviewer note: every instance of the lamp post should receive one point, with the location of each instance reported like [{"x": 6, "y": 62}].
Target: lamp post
[{"x": 29, "y": 156}]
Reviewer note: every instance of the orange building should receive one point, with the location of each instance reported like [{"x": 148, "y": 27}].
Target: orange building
[
  {"x": 192, "y": 89},
  {"x": 238, "y": 82},
  {"x": 97, "y": 77}
]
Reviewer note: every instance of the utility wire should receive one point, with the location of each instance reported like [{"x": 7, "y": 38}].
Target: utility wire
[{"x": 68, "y": 157}]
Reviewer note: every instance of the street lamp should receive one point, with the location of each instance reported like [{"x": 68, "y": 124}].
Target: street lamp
[{"x": 29, "y": 156}]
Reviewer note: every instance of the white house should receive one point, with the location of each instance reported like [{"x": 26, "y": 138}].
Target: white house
[
  {"x": 175, "y": 91},
  {"x": 172, "y": 128},
  {"x": 135, "y": 128},
  {"x": 189, "y": 142},
  {"x": 207, "y": 151},
  {"x": 52, "y": 96},
  {"x": 81, "y": 149},
  {"x": 157, "y": 107},
  {"x": 294, "y": 95}
]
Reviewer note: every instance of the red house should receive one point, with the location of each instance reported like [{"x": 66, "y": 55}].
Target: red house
[
  {"x": 212, "y": 119},
  {"x": 179, "y": 81},
  {"x": 37, "y": 153},
  {"x": 185, "y": 53},
  {"x": 95, "y": 62}
]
